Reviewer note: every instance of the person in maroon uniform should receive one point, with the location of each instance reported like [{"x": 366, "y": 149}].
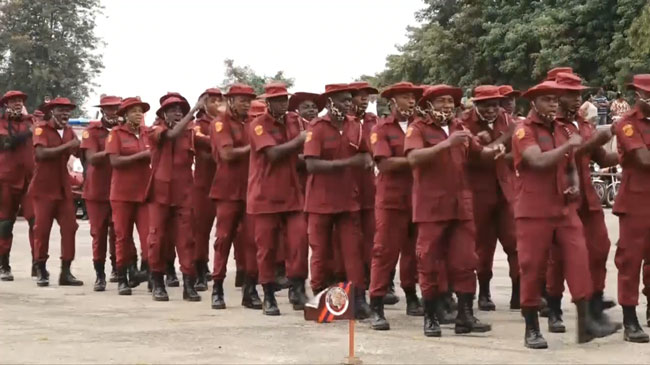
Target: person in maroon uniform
[
  {"x": 547, "y": 189},
  {"x": 275, "y": 199},
  {"x": 129, "y": 155},
  {"x": 438, "y": 148},
  {"x": 54, "y": 142},
  {"x": 230, "y": 149},
  {"x": 632, "y": 205},
  {"x": 334, "y": 149},
  {"x": 169, "y": 195},
  {"x": 97, "y": 187},
  {"x": 509, "y": 101},
  {"x": 395, "y": 233},
  {"x": 16, "y": 169},
  {"x": 203, "y": 208},
  {"x": 493, "y": 193},
  {"x": 589, "y": 206}
]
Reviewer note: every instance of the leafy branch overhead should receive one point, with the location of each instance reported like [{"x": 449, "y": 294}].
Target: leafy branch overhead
[{"x": 246, "y": 75}]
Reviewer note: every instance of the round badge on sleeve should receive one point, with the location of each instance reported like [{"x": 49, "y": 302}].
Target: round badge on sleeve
[
  {"x": 628, "y": 130},
  {"x": 218, "y": 126},
  {"x": 337, "y": 301},
  {"x": 259, "y": 130},
  {"x": 38, "y": 131},
  {"x": 373, "y": 138},
  {"x": 85, "y": 134},
  {"x": 110, "y": 138},
  {"x": 409, "y": 131},
  {"x": 308, "y": 137},
  {"x": 520, "y": 133}
]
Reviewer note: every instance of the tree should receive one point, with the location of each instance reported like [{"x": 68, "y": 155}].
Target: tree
[
  {"x": 48, "y": 48},
  {"x": 471, "y": 42},
  {"x": 246, "y": 75}
]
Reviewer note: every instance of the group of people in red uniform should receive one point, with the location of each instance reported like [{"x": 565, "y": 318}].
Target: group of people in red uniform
[{"x": 426, "y": 186}]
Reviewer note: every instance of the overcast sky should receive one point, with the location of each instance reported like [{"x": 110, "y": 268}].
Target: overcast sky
[{"x": 168, "y": 45}]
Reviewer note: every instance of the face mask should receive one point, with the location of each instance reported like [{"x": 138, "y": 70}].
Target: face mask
[
  {"x": 442, "y": 117},
  {"x": 336, "y": 112},
  {"x": 647, "y": 101},
  {"x": 545, "y": 117},
  {"x": 488, "y": 121},
  {"x": 14, "y": 114},
  {"x": 274, "y": 114},
  {"x": 404, "y": 112},
  {"x": 111, "y": 121}
]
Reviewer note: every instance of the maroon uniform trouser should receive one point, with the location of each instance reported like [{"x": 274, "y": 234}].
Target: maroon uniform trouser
[
  {"x": 367, "y": 238},
  {"x": 125, "y": 215},
  {"x": 234, "y": 226},
  {"x": 446, "y": 247},
  {"x": 395, "y": 235},
  {"x": 321, "y": 227},
  {"x": 46, "y": 211},
  {"x": 632, "y": 250},
  {"x": 203, "y": 217},
  {"x": 11, "y": 200},
  {"x": 270, "y": 230},
  {"x": 101, "y": 229},
  {"x": 535, "y": 238},
  {"x": 598, "y": 244},
  {"x": 170, "y": 224},
  {"x": 494, "y": 220}
]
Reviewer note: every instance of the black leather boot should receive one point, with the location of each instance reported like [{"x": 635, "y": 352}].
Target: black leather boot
[
  {"x": 633, "y": 331},
  {"x": 361, "y": 307},
  {"x": 113, "y": 277},
  {"x": 189, "y": 294},
  {"x": 555, "y": 322},
  {"x": 281, "y": 281},
  {"x": 378, "y": 321},
  {"x": 391, "y": 298},
  {"x": 201, "y": 281},
  {"x": 297, "y": 296},
  {"x": 143, "y": 274},
  {"x": 100, "y": 280},
  {"x": 444, "y": 313},
  {"x": 588, "y": 327},
  {"x": 413, "y": 305},
  {"x": 159, "y": 293},
  {"x": 515, "y": 302},
  {"x": 431, "y": 324},
  {"x": 5, "y": 269},
  {"x": 123, "y": 287},
  {"x": 218, "y": 301},
  {"x": 449, "y": 301},
  {"x": 42, "y": 276},
  {"x": 533, "y": 338},
  {"x": 647, "y": 312},
  {"x": 34, "y": 269},
  {"x": 208, "y": 274},
  {"x": 250, "y": 299},
  {"x": 172, "y": 279},
  {"x": 66, "y": 278},
  {"x": 485, "y": 302},
  {"x": 240, "y": 277},
  {"x": 134, "y": 276},
  {"x": 597, "y": 310},
  {"x": 465, "y": 321},
  {"x": 270, "y": 305},
  {"x": 543, "y": 306}
]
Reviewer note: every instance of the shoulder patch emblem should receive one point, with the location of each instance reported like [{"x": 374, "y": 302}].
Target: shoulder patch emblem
[
  {"x": 218, "y": 126},
  {"x": 85, "y": 134},
  {"x": 409, "y": 131},
  {"x": 38, "y": 131},
  {"x": 308, "y": 136},
  {"x": 520, "y": 133},
  {"x": 373, "y": 138},
  {"x": 628, "y": 130},
  {"x": 110, "y": 138},
  {"x": 259, "y": 130}
]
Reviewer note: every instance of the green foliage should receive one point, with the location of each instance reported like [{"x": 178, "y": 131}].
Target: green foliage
[
  {"x": 246, "y": 75},
  {"x": 471, "y": 42},
  {"x": 48, "y": 48}
]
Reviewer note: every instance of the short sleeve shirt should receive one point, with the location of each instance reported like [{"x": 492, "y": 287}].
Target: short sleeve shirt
[
  {"x": 17, "y": 164},
  {"x": 128, "y": 183},
  {"x": 231, "y": 177},
  {"x": 51, "y": 178},
  {"x": 97, "y": 186}
]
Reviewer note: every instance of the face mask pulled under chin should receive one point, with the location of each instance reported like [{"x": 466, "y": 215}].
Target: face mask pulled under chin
[
  {"x": 488, "y": 121},
  {"x": 336, "y": 112},
  {"x": 549, "y": 117},
  {"x": 646, "y": 101},
  {"x": 14, "y": 114},
  {"x": 404, "y": 112},
  {"x": 442, "y": 117}
]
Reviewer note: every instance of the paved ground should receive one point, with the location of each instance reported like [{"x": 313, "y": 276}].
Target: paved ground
[{"x": 76, "y": 325}]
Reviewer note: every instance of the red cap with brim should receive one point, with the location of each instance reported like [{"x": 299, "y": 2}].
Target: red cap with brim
[
  {"x": 241, "y": 89},
  {"x": 131, "y": 102},
  {"x": 274, "y": 90},
  {"x": 174, "y": 100},
  {"x": 435, "y": 91},
  {"x": 12, "y": 94},
  {"x": 507, "y": 91},
  {"x": 109, "y": 101},
  {"x": 257, "y": 108},
  {"x": 402, "y": 88},
  {"x": 58, "y": 102},
  {"x": 169, "y": 95},
  {"x": 486, "y": 92},
  {"x": 363, "y": 86},
  {"x": 570, "y": 81},
  {"x": 641, "y": 82},
  {"x": 211, "y": 91},
  {"x": 297, "y": 99},
  {"x": 545, "y": 88},
  {"x": 330, "y": 90},
  {"x": 552, "y": 73}
]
